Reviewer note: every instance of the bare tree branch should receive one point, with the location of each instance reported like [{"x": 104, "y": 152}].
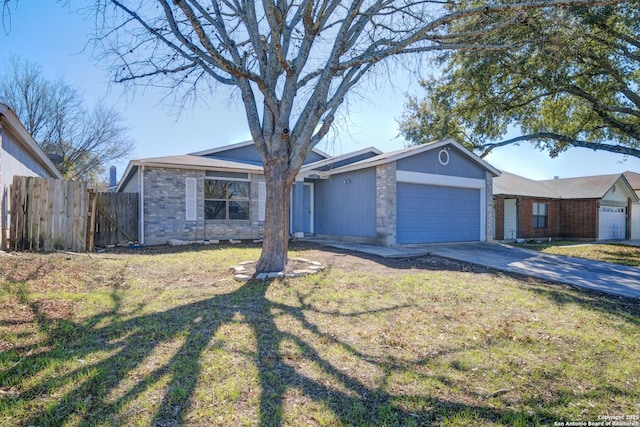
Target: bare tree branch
[
  {"x": 541, "y": 136},
  {"x": 293, "y": 63},
  {"x": 53, "y": 113}
]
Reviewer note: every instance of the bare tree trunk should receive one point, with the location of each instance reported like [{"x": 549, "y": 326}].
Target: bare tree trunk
[{"x": 276, "y": 231}]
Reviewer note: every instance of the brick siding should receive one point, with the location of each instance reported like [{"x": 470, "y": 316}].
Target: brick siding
[
  {"x": 525, "y": 219},
  {"x": 386, "y": 212},
  {"x": 490, "y": 221},
  {"x": 165, "y": 210},
  {"x": 579, "y": 219},
  {"x": 576, "y": 219}
]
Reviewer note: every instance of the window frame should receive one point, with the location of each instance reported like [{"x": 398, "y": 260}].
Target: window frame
[
  {"x": 211, "y": 176},
  {"x": 537, "y": 216}
]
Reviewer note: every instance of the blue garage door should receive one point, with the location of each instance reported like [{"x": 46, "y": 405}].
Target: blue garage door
[{"x": 430, "y": 214}]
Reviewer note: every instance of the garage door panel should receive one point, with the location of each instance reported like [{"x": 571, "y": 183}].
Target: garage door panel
[
  {"x": 430, "y": 214},
  {"x": 612, "y": 223}
]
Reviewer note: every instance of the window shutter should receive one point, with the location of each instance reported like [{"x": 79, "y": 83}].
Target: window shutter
[
  {"x": 262, "y": 200},
  {"x": 191, "y": 200}
]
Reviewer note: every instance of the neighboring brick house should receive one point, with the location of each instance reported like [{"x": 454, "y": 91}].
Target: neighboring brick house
[
  {"x": 438, "y": 192},
  {"x": 590, "y": 208},
  {"x": 634, "y": 181}
]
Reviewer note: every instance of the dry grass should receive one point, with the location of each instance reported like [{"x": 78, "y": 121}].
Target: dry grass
[{"x": 170, "y": 339}]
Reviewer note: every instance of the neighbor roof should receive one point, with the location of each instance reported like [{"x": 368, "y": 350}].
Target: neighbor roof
[
  {"x": 587, "y": 187},
  {"x": 634, "y": 179},
  {"x": 510, "y": 184}
]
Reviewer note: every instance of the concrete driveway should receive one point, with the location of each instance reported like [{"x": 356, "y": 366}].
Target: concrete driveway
[
  {"x": 606, "y": 277},
  {"x": 601, "y": 276}
]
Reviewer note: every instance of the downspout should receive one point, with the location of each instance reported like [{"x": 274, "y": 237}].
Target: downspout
[
  {"x": 628, "y": 216},
  {"x": 141, "y": 219},
  {"x": 517, "y": 219}
]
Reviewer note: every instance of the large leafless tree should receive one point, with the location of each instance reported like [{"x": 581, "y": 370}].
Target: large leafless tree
[
  {"x": 293, "y": 62},
  {"x": 84, "y": 141}
]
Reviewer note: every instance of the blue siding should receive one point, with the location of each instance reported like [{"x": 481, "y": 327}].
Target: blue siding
[
  {"x": 348, "y": 161},
  {"x": 346, "y": 208},
  {"x": 249, "y": 154},
  {"x": 459, "y": 164},
  {"x": 301, "y": 208},
  {"x": 313, "y": 157},
  {"x": 430, "y": 214},
  {"x": 16, "y": 160}
]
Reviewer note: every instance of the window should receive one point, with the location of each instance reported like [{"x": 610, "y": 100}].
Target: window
[
  {"x": 539, "y": 215},
  {"x": 226, "y": 200}
]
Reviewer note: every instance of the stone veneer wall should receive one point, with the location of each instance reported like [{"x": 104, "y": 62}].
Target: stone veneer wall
[
  {"x": 490, "y": 220},
  {"x": 165, "y": 210},
  {"x": 386, "y": 211},
  {"x": 165, "y": 206}
]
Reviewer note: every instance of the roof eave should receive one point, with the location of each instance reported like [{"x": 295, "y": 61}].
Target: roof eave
[
  {"x": 27, "y": 141},
  {"x": 324, "y": 162},
  {"x": 170, "y": 165},
  {"x": 626, "y": 182},
  {"x": 135, "y": 164},
  {"x": 126, "y": 176}
]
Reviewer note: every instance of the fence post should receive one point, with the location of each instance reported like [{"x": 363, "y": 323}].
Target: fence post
[{"x": 92, "y": 220}]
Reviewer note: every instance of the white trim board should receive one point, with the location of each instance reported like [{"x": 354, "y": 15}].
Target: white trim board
[{"x": 440, "y": 180}]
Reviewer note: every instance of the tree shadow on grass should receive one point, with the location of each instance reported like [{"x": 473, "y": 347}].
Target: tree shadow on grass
[
  {"x": 92, "y": 372},
  {"x": 624, "y": 308}
]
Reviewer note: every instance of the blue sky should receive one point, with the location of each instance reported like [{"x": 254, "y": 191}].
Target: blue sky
[{"x": 47, "y": 33}]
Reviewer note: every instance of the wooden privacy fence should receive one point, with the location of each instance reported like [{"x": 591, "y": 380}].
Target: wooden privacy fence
[
  {"x": 51, "y": 214},
  {"x": 116, "y": 218}
]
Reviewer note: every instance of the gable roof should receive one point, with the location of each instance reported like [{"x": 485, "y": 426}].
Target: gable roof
[
  {"x": 634, "y": 180},
  {"x": 199, "y": 161},
  {"x": 587, "y": 187},
  {"x": 244, "y": 144},
  {"x": 413, "y": 150},
  {"x": 8, "y": 117}
]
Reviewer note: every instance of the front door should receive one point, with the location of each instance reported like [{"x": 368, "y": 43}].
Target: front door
[
  {"x": 510, "y": 219},
  {"x": 301, "y": 218},
  {"x": 307, "y": 197}
]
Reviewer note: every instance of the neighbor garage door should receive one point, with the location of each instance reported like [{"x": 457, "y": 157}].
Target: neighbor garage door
[
  {"x": 430, "y": 214},
  {"x": 612, "y": 223}
]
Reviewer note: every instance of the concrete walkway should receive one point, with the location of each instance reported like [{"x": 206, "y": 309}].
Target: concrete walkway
[{"x": 606, "y": 277}]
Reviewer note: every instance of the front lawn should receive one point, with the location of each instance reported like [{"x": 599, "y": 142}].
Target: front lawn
[
  {"x": 609, "y": 252},
  {"x": 151, "y": 338}
]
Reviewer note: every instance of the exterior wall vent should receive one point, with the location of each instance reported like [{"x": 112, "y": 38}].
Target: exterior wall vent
[{"x": 443, "y": 157}]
